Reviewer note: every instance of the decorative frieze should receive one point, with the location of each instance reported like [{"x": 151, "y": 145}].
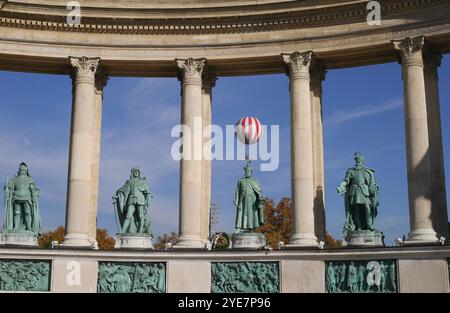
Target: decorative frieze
[
  {"x": 21, "y": 275},
  {"x": 378, "y": 276},
  {"x": 234, "y": 277},
  {"x": 131, "y": 277},
  {"x": 283, "y": 18}
]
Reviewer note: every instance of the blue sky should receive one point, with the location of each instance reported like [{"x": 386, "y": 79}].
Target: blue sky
[{"x": 362, "y": 111}]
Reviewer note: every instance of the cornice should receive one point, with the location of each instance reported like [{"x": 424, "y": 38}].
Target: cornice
[{"x": 290, "y": 15}]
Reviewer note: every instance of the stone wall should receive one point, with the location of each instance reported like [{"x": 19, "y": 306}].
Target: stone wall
[{"x": 400, "y": 269}]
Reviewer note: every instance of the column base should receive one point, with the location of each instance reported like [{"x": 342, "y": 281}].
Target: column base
[
  {"x": 189, "y": 242},
  {"x": 76, "y": 241},
  {"x": 303, "y": 241},
  {"x": 424, "y": 236}
]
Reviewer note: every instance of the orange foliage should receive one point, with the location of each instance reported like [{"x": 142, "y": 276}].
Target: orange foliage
[
  {"x": 277, "y": 220},
  {"x": 105, "y": 241}
]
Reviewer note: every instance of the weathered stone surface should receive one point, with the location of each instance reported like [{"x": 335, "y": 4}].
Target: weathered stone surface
[
  {"x": 134, "y": 241},
  {"x": 248, "y": 240},
  {"x": 423, "y": 275},
  {"x": 20, "y": 238},
  {"x": 364, "y": 238},
  {"x": 302, "y": 276},
  {"x": 189, "y": 276}
]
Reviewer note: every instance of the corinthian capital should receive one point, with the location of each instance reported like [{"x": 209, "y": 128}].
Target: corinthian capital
[
  {"x": 84, "y": 69},
  {"x": 298, "y": 64},
  {"x": 190, "y": 70},
  {"x": 411, "y": 50}
]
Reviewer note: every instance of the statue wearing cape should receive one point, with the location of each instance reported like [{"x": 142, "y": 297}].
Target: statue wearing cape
[
  {"x": 360, "y": 195},
  {"x": 249, "y": 202},
  {"x": 131, "y": 202},
  {"x": 21, "y": 203}
]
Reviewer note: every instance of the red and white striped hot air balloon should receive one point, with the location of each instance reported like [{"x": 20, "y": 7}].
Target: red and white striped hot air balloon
[{"x": 248, "y": 130}]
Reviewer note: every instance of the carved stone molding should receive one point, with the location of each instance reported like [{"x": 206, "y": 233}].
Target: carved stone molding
[
  {"x": 411, "y": 50},
  {"x": 279, "y": 17},
  {"x": 298, "y": 64},
  {"x": 190, "y": 71},
  {"x": 84, "y": 69}
]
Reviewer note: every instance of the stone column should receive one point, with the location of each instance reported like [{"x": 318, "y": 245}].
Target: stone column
[
  {"x": 432, "y": 61},
  {"x": 317, "y": 77},
  {"x": 417, "y": 141},
  {"x": 100, "y": 82},
  {"x": 191, "y": 163},
  {"x": 208, "y": 82},
  {"x": 80, "y": 156},
  {"x": 302, "y": 180}
]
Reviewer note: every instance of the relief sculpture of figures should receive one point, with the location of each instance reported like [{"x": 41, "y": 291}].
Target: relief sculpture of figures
[
  {"x": 360, "y": 192},
  {"x": 132, "y": 201},
  {"x": 237, "y": 277},
  {"x": 18, "y": 275},
  {"x": 361, "y": 276},
  {"x": 131, "y": 277},
  {"x": 21, "y": 202}
]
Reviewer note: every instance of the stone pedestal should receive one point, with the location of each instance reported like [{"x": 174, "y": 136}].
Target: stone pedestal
[
  {"x": 364, "y": 238},
  {"x": 134, "y": 241},
  {"x": 19, "y": 238},
  {"x": 248, "y": 241}
]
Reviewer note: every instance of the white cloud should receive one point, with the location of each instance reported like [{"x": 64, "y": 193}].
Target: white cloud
[{"x": 338, "y": 117}]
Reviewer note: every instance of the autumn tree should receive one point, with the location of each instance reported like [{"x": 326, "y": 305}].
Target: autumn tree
[
  {"x": 45, "y": 240},
  {"x": 161, "y": 241},
  {"x": 332, "y": 243},
  {"x": 105, "y": 241},
  {"x": 277, "y": 227}
]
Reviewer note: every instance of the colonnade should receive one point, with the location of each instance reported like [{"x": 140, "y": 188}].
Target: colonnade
[{"x": 425, "y": 165}]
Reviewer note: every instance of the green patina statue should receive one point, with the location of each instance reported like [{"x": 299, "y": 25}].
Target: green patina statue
[
  {"x": 21, "y": 203},
  {"x": 249, "y": 202},
  {"x": 132, "y": 201},
  {"x": 361, "y": 196}
]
